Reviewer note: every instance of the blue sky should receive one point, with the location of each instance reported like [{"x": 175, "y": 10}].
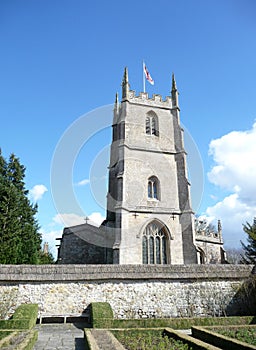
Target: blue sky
[{"x": 62, "y": 59}]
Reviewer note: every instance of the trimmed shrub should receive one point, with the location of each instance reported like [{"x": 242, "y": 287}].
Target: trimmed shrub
[
  {"x": 26, "y": 311},
  {"x": 24, "y": 317},
  {"x": 182, "y": 323},
  {"x": 101, "y": 315}
]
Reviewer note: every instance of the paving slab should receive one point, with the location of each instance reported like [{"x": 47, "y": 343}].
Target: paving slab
[{"x": 60, "y": 337}]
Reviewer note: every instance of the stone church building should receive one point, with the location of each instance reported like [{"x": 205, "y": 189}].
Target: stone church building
[{"x": 149, "y": 218}]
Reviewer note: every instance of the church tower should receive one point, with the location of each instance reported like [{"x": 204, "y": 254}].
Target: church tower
[{"x": 148, "y": 202}]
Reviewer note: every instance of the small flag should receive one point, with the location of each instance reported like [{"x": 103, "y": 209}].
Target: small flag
[{"x": 147, "y": 75}]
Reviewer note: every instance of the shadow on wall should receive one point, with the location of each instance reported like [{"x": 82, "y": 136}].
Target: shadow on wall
[{"x": 244, "y": 301}]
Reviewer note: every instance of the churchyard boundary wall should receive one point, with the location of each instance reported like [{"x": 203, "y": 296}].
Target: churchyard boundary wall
[{"x": 133, "y": 291}]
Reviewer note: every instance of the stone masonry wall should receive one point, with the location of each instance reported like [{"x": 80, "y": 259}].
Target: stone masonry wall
[{"x": 132, "y": 291}]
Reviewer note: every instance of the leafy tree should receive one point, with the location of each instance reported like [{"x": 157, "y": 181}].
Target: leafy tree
[
  {"x": 249, "y": 249},
  {"x": 20, "y": 241},
  {"x": 234, "y": 255},
  {"x": 202, "y": 227}
]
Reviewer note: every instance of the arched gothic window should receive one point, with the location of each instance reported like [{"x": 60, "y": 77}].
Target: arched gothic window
[
  {"x": 152, "y": 124},
  {"x": 154, "y": 244},
  {"x": 153, "y": 188}
]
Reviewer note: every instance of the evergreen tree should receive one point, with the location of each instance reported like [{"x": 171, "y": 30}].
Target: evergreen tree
[
  {"x": 2, "y": 164},
  {"x": 249, "y": 249},
  {"x": 20, "y": 241},
  {"x": 46, "y": 258}
]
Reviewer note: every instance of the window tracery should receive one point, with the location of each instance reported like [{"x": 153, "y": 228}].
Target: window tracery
[{"x": 154, "y": 244}]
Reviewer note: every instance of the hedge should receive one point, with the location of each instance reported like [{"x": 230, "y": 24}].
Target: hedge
[
  {"x": 183, "y": 323},
  {"x": 24, "y": 317},
  {"x": 102, "y": 317}
]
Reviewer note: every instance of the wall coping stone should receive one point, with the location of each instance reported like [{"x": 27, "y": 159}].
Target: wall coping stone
[{"x": 76, "y": 273}]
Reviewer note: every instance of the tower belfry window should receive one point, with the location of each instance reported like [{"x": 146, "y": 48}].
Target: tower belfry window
[
  {"x": 152, "y": 125},
  {"x": 153, "y": 188},
  {"x": 148, "y": 128}
]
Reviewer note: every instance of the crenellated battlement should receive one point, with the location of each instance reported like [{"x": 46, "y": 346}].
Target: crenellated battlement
[
  {"x": 144, "y": 99},
  {"x": 170, "y": 102},
  {"x": 209, "y": 236}
]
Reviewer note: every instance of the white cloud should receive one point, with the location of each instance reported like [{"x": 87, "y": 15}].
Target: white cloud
[
  {"x": 234, "y": 155},
  {"x": 37, "y": 192},
  {"x": 50, "y": 238},
  {"x": 69, "y": 219},
  {"x": 83, "y": 182},
  {"x": 96, "y": 218},
  {"x": 235, "y": 158},
  {"x": 74, "y": 219},
  {"x": 233, "y": 214}
]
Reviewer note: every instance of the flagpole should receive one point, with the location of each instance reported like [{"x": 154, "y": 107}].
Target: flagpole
[{"x": 143, "y": 73}]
